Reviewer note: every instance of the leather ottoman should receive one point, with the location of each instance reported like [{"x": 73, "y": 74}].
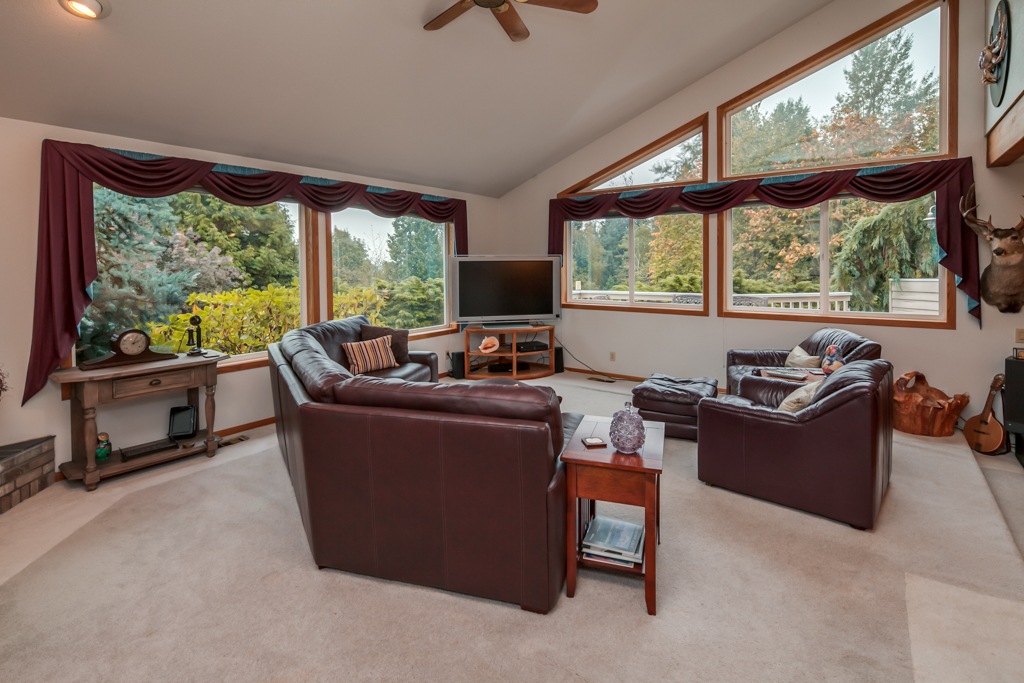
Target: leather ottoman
[{"x": 673, "y": 400}]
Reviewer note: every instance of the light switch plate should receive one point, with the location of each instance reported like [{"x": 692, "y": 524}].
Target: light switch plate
[{"x": 1019, "y": 336}]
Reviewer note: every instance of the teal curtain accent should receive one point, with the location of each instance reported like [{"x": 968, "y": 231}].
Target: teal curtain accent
[{"x": 238, "y": 170}]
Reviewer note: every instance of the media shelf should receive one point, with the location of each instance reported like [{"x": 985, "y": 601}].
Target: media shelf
[{"x": 506, "y": 352}]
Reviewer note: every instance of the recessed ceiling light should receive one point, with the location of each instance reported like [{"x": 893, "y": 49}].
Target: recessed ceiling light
[{"x": 87, "y": 9}]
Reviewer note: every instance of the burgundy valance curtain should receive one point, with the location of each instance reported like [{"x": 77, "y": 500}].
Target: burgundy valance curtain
[
  {"x": 66, "y": 258},
  {"x": 949, "y": 179}
]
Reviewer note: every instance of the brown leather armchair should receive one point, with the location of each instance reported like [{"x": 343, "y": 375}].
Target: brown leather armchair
[
  {"x": 742, "y": 364},
  {"x": 833, "y": 458},
  {"x": 454, "y": 486}
]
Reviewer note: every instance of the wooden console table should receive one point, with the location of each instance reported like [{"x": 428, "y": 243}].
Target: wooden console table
[
  {"x": 506, "y": 353},
  {"x": 91, "y": 388}
]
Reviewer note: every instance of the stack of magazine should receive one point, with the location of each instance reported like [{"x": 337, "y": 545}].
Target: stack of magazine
[{"x": 614, "y": 542}]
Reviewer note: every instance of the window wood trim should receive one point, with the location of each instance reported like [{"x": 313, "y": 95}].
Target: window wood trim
[
  {"x": 829, "y": 54},
  {"x": 311, "y": 224},
  {"x": 663, "y": 143},
  {"x": 725, "y": 290},
  {"x": 668, "y": 309}
]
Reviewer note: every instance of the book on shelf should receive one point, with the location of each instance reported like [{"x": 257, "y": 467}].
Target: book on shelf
[
  {"x": 614, "y": 538},
  {"x": 609, "y": 560}
]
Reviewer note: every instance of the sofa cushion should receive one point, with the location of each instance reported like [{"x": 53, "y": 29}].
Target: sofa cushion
[
  {"x": 367, "y": 356},
  {"x": 869, "y": 372},
  {"x": 817, "y": 344},
  {"x": 399, "y": 340},
  {"x": 800, "y": 398},
  {"x": 410, "y": 372},
  {"x": 319, "y": 374},
  {"x": 666, "y": 389},
  {"x": 514, "y": 402},
  {"x": 333, "y": 333},
  {"x": 570, "y": 422},
  {"x": 798, "y": 358}
]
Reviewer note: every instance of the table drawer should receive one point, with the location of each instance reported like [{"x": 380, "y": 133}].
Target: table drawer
[{"x": 137, "y": 386}]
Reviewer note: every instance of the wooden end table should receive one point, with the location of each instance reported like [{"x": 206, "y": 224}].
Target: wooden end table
[{"x": 594, "y": 474}]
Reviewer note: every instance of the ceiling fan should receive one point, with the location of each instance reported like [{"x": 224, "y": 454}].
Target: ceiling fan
[{"x": 506, "y": 14}]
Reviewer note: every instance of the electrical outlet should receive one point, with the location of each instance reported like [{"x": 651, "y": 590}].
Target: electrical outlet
[
  {"x": 1019, "y": 336},
  {"x": 612, "y": 354}
]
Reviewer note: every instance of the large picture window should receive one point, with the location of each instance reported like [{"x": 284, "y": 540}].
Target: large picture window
[
  {"x": 651, "y": 263},
  {"x": 871, "y": 99},
  {"x": 390, "y": 269},
  {"x": 161, "y": 260},
  {"x": 844, "y": 258}
]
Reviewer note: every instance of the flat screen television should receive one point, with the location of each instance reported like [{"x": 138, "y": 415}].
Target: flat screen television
[{"x": 499, "y": 289}]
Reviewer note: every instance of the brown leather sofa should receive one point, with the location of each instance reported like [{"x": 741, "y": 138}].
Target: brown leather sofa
[
  {"x": 453, "y": 486},
  {"x": 742, "y": 364},
  {"x": 833, "y": 458}
]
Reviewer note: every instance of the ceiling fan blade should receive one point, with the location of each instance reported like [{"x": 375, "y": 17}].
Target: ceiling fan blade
[
  {"x": 449, "y": 15},
  {"x": 509, "y": 19},
  {"x": 581, "y": 6}
]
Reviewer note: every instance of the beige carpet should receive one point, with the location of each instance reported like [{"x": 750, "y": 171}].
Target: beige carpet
[{"x": 207, "y": 577}]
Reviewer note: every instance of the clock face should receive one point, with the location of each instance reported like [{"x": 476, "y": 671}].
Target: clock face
[{"x": 132, "y": 343}]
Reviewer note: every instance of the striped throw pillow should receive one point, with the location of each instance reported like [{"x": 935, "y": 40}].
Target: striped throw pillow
[{"x": 366, "y": 356}]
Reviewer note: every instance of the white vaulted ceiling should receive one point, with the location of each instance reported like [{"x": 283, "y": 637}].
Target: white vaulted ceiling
[{"x": 357, "y": 86}]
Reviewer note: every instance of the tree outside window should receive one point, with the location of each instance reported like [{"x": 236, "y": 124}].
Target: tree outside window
[
  {"x": 392, "y": 270},
  {"x": 881, "y": 102},
  {"x": 161, "y": 260}
]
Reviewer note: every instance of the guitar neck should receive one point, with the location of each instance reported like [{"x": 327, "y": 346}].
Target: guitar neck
[{"x": 986, "y": 414}]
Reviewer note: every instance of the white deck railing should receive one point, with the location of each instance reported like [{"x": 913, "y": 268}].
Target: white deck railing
[{"x": 839, "y": 301}]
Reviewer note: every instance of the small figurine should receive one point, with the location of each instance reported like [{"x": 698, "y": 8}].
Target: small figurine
[
  {"x": 833, "y": 360},
  {"x": 103, "y": 447}
]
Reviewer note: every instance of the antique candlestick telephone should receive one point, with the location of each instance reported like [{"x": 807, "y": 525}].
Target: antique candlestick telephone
[{"x": 195, "y": 336}]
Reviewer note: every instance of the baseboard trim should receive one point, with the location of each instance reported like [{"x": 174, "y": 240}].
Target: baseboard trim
[
  {"x": 247, "y": 426},
  {"x": 609, "y": 374},
  {"x": 60, "y": 476}
]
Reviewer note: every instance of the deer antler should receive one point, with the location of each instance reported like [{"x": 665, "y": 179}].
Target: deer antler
[{"x": 983, "y": 228}]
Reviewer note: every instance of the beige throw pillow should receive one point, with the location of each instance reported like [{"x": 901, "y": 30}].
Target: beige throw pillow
[
  {"x": 798, "y": 358},
  {"x": 801, "y": 398}
]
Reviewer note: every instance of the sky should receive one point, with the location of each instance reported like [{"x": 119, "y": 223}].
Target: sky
[
  {"x": 819, "y": 90},
  {"x": 373, "y": 230},
  {"x": 644, "y": 173}
]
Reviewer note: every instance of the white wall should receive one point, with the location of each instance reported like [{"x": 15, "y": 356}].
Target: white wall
[
  {"x": 242, "y": 397},
  {"x": 958, "y": 360}
]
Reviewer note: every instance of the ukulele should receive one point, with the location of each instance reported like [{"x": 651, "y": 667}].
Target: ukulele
[{"x": 983, "y": 432}]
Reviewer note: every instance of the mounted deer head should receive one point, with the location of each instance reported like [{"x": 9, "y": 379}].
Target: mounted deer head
[
  {"x": 1007, "y": 244},
  {"x": 1002, "y": 283}
]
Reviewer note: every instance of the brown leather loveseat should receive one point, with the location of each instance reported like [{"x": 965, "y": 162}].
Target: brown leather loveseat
[
  {"x": 833, "y": 458},
  {"x": 740, "y": 364},
  {"x": 454, "y": 486}
]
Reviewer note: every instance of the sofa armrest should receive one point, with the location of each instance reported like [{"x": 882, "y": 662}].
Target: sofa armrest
[
  {"x": 767, "y": 391},
  {"x": 765, "y": 358},
  {"x": 428, "y": 358}
]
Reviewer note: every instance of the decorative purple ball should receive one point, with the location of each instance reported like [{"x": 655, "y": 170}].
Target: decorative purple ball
[{"x": 627, "y": 430}]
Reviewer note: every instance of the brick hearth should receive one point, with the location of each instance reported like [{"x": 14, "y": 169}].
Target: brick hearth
[{"x": 26, "y": 468}]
